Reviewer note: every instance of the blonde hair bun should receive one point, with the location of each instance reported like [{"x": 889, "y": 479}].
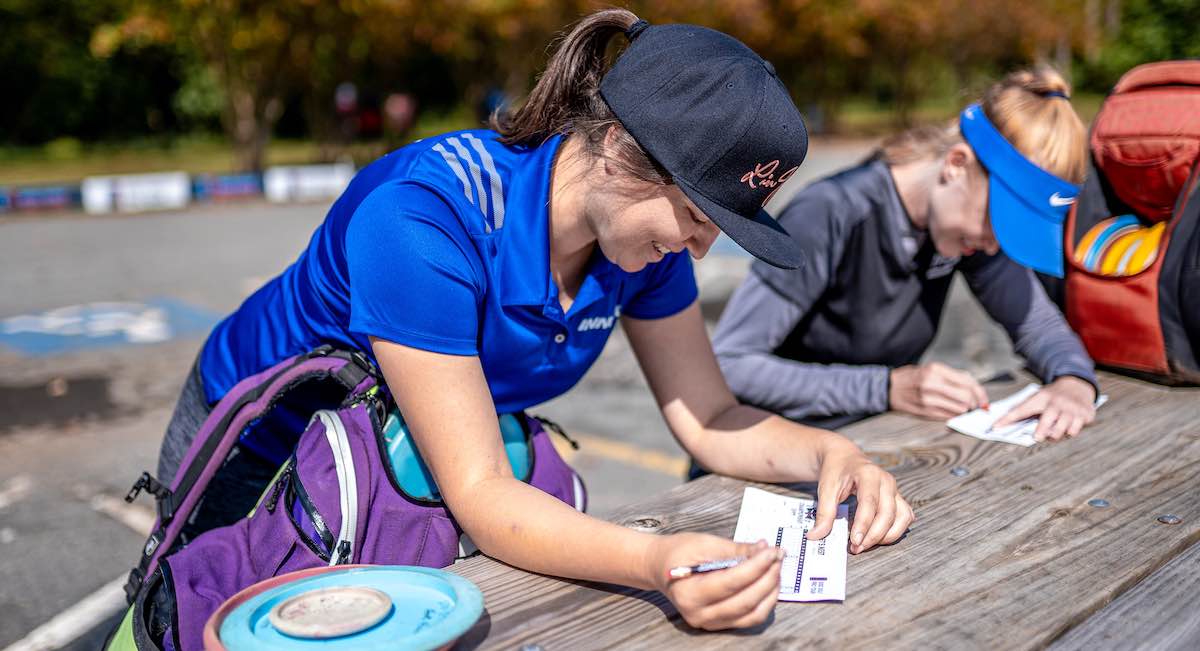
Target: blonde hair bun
[{"x": 1032, "y": 109}]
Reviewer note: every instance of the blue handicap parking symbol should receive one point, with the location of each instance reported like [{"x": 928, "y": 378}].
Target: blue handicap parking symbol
[{"x": 101, "y": 325}]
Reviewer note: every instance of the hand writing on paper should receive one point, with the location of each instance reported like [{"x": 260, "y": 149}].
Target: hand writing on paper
[
  {"x": 934, "y": 391},
  {"x": 738, "y": 597}
]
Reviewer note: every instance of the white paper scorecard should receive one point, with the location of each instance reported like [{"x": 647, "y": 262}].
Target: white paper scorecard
[
  {"x": 978, "y": 423},
  {"x": 813, "y": 570}
]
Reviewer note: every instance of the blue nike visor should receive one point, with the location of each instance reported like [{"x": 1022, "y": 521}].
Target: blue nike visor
[{"x": 1027, "y": 204}]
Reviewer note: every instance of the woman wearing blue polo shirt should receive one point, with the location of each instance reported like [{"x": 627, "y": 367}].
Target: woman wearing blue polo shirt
[
  {"x": 842, "y": 339},
  {"x": 484, "y": 270}
]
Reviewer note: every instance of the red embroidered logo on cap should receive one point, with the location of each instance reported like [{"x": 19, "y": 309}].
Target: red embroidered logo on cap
[{"x": 763, "y": 176}]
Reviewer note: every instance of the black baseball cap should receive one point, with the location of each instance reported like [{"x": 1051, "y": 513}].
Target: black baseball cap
[{"x": 714, "y": 115}]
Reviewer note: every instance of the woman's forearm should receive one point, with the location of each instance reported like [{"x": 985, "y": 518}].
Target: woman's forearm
[
  {"x": 754, "y": 324},
  {"x": 1015, "y": 299},
  {"x": 799, "y": 390},
  {"x": 516, "y": 523},
  {"x": 747, "y": 442}
]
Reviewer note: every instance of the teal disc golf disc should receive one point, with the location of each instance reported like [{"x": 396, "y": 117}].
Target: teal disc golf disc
[
  {"x": 429, "y": 609},
  {"x": 413, "y": 476}
]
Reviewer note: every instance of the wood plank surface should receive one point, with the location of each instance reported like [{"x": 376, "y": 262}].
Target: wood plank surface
[
  {"x": 1009, "y": 556},
  {"x": 1161, "y": 612}
]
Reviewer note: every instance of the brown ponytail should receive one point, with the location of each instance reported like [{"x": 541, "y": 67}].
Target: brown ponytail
[{"x": 567, "y": 101}]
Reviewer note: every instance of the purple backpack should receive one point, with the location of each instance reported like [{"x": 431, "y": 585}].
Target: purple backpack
[{"x": 335, "y": 501}]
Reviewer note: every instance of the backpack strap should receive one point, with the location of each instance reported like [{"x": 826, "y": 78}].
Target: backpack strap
[
  {"x": 353, "y": 375},
  {"x": 1177, "y": 308},
  {"x": 350, "y": 376}
]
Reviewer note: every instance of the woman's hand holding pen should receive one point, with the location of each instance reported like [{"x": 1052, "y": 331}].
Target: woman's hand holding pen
[
  {"x": 882, "y": 516},
  {"x": 736, "y": 597},
  {"x": 934, "y": 391}
]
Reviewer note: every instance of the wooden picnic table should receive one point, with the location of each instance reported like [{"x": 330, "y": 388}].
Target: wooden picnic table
[{"x": 1009, "y": 554}]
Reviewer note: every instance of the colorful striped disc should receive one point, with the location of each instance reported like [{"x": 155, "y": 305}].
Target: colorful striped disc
[{"x": 1119, "y": 246}]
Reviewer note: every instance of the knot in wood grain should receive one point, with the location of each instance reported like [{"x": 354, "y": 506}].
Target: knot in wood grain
[
  {"x": 645, "y": 523},
  {"x": 886, "y": 459}
]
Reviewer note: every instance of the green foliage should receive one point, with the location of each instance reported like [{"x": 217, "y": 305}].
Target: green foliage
[
  {"x": 1149, "y": 30},
  {"x": 67, "y": 160},
  {"x": 200, "y": 99},
  {"x": 63, "y": 149},
  {"x": 55, "y": 86},
  {"x": 92, "y": 70}
]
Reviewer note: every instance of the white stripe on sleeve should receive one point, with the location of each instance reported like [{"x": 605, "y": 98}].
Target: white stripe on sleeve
[
  {"x": 457, "y": 169},
  {"x": 497, "y": 187},
  {"x": 475, "y": 176}
]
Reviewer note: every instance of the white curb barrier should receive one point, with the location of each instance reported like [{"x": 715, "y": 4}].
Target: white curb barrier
[
  {"x": 136, "y": 192},
  {"x": 306, "y": 182}
]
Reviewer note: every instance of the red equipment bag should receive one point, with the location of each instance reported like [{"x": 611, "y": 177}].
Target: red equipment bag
[{"x": 1131, "y": 241}]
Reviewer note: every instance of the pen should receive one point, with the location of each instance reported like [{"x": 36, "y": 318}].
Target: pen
[{"x": 684, "y": 571}]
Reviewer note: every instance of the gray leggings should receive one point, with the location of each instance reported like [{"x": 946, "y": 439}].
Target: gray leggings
[
  {"x": 190, "y": 412},
  {"x": 235, "y": 488}
]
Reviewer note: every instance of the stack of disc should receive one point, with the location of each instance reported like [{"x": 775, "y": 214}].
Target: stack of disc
[
  {"x": 1119, "y": 246},
  {"x": 358, "y": 607}
]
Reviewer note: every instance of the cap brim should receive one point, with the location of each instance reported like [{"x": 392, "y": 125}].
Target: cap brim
[
  {"x": 1032, "y": 235},
  {"x": 761, "y": 236}
]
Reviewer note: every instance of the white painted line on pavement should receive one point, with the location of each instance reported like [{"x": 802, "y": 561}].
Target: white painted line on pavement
[
  {"x": 15, "y": 490},
  {"x": 135, "y": 516},
  {"x": 73, "y": 622}
]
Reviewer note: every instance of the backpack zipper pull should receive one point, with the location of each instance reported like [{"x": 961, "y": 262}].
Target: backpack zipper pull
[
  {"x": 343, "y": 552},
  {"x": 554, "y": 427},
  {"x": 148, "y": 483},
  {"x": 275, "y": 493}
]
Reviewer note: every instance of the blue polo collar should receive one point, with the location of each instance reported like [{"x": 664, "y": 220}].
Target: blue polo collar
[{"x": 523, "y": 244}]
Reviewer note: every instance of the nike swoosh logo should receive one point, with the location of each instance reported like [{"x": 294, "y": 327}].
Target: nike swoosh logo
[{"x": 1059, "y": 201}]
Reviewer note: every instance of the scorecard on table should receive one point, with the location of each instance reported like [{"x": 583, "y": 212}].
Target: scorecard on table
[{"x": 813, "y": 570}]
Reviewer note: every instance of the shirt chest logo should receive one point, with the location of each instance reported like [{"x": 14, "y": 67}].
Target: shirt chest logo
[{"x": 600, "y": 322}]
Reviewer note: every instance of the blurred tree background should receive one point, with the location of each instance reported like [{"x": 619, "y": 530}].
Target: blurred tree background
[{"x": 355, "y": 77}]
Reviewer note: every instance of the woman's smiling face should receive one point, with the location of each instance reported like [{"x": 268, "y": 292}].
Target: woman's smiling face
[{"x": 633, "y": 232}]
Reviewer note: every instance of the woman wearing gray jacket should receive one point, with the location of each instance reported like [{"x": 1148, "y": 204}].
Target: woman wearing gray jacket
[{"x": 840, "y": 339}]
